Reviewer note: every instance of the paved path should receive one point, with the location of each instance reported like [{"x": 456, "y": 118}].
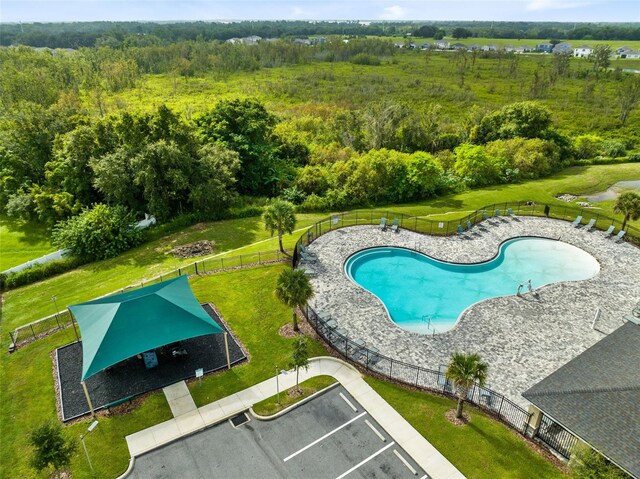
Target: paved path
[
  {"x": 422, "y": 452},
  {"x": 179, "y": 399},
  {"x": 523, "y": 339}
]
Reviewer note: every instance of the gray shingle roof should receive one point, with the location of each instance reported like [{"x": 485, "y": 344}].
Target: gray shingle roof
[{"x": 597, "y": 396}]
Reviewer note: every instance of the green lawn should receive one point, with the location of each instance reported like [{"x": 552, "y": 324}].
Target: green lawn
[
  {"x": 21, "y": 242},
  {"x": 247, "y": 302},
  {"x": 275, "y": 403},
  {"x": 27, "y": 304},
  {"x": 482, "y": 449}
]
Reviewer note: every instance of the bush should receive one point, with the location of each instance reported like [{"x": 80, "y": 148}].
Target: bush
[
  {"x": 99, "y": 233},
  {"x": 613, "y": 148},
  {"x": 293, "y": 195},
  {"x": 587, "y": 146},
  {"x": 365, "y": 59},
  {"x": 634, "y": 157},
  {"x": 51, "y": 447},
  {"x": 38, "y": 272}
]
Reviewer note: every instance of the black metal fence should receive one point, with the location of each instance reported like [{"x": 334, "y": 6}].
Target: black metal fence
[
  {"x": 35, "y": 330},
  {"x": 357, "y": 351},
  {"x": 556, "y": 437},
  {"x": 450, "y": 227}
]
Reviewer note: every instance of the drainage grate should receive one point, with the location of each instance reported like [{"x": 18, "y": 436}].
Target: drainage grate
[{"x": 239, "y": 420}]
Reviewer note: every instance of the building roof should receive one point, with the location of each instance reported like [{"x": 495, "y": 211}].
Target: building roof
[
  {"x": 118, "y": 327},
  {"x": 596, "y": 396}
]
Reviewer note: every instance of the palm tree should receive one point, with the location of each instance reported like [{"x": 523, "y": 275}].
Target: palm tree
[
  {"x": 299, "y": 357},
  {"x": 464, "y": 370},
  {"x": 279, "y": 217},
  {"x": 294, "y": 290},
  {"x": 629, "y": 205}
]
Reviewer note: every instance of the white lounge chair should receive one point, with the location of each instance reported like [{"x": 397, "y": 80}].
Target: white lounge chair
[
  {"x": 590, "y": 224},
  {"x": 394, "y": 228},
  {"x": 577, "y": 221},
  {"x": 619, "y": 236},
  {"x": 510, "y": 213},
  {"x": 609, "y": 231},
  {"x": 383, "y": 224}
]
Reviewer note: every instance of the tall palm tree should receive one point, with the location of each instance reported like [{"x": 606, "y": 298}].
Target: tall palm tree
[
  {"x": 279, "y": 218},
  {"x": 629, "y": 205},
  {"x": 294, "y": 289},
  {"x": 464, "y": 370}
]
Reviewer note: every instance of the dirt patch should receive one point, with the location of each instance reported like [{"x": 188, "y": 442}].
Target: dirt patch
[
  {"x": 451, "y": 417},
  {"x": 287, "y": 331},
  {"x": 295, "y": 392},
  {"x": 567, "y": 198},
  {"x": 199, "y": 248}
]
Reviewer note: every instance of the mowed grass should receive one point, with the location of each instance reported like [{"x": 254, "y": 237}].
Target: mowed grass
[
  {"x": 21, "y": 242},
  {"x": 239, "y": 236},
  {"x": 485, "y": 449},
  {"x": 482, "y": 449},
  {"x": 275, "y": 403}
]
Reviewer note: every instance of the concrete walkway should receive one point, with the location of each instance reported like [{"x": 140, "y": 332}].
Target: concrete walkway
[
  {"x": 179, "y": 399},
  {"x": 193, "y": 420}
]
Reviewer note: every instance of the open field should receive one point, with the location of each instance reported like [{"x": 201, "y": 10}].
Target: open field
[
  {"x": 246, "y": 300},
  {"x": 26, "y": 304},
  {"x": 410, "y": 77},
  {"x": 20, "y": 242}
]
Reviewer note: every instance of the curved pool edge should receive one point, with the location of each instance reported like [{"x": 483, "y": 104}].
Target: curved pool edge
[{"x": 463, "y": 313}]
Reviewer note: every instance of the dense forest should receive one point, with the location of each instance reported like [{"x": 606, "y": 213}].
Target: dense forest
[
  {"x": 344, "y": 124},
  {"x": 90, "y": 34}
]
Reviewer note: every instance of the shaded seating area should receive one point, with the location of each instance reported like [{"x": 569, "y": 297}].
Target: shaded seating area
[{"x": 140, "y": 341}]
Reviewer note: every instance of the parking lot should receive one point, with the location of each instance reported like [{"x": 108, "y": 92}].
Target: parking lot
[{"x": 328, "y": 437}]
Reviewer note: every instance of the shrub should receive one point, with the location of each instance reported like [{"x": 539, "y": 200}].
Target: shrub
[
  {"x": 365, "y": 59},
  {"x": 97, "y": 233},
  {"x": 293, "y": 195},
  {"x": 473, "y": 164},
  {"x": 313, "y": 202},
  {"x": 634, "y": 157},
  {"x": 587, "y": 146},
  {"x": 613, "y": 148},
  {"x": 51, "y": 447}
]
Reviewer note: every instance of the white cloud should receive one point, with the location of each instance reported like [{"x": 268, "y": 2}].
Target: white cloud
[
  {"x": 395, "y": 12},
  {"x": 541, "y": 5}
]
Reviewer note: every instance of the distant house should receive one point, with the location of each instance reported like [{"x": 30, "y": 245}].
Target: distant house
[
  {"x": 523, "y": 49},
  {"x": 251, "y": 40},
  {"x": 302, "y": 41},
  {"x": 595, "y": 398},
  {"x": 399, "y": 44},
  {"x": 425, "y": 46},
  {"x": 623, "y": 49},
  {"x": 632, "y": 54},
  {"x": 626, "y": 52},
  {"x": 582, "y": 51},
  {"x": 234, "y": 41},
  {"x": 489, "y": 48},
  {"x": 544, "y": 47},
  {"x": 562, "y": 49},
  {"x": 474, "y": 47},
  {"x": 442, "y": 45},
  {"x": 459, "y": 46},
  {"x": 412, "y": 46},
  {"x": 509, "y": 48}
]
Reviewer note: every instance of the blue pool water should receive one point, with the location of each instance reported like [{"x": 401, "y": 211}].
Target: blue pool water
[{"x": 422, "y": 294}]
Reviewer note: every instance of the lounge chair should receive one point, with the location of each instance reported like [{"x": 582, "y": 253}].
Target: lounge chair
[
  {"x": 394, "y": 228},
  {"x": 383, "y": 224},
  {"x": 461, "y": 231},
  {"x": 619, "y": 236},
  {"x": 590, "y": 224},
  {"x": 510, "y": 213},
  {"x": 609, "y": 231},
  {"x": 308, "y": 270},
  {"x": 469, "y": 225},
  {"x": 497, "y": 214},
  {"x": 577, "y": 221},
  {"x": 307, "y": 258},
  {"x": 485, "y": 216},
  {"x": 306, "y": 250}
]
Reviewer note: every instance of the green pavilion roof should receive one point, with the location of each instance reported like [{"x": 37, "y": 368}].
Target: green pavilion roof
[{"x": 118, "y": 327}]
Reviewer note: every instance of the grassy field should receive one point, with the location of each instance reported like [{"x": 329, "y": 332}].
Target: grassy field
[
  {"x": 275, "y": 403},
  {"x": 20, "y": 242},
  {"x": 26, "y": 304},
  {"x": 410, "y": 77},
  {"x": 247, "y": 302}
]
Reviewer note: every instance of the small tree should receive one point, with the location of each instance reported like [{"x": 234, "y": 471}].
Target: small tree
[
  {"x": 299, "y": 357},
  {"x": 629, "y": 205},
  {"x": 279, "y": 218},
  {"x": 51, "y": 447},
  {"x": 294, "y": 289},
  {"x": 601, "y": 57},
  {"x": 464, "y": 370},
  {"x": 588, "y": 464}
]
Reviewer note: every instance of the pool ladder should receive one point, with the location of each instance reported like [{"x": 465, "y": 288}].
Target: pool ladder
[{"x": 427, "y": 319}]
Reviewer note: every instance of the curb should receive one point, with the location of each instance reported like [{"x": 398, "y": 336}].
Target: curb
[{"x": 293, "y": 406}]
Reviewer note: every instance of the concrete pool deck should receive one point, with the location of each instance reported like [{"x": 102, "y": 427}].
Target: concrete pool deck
[{"x": 523, "y": 339}]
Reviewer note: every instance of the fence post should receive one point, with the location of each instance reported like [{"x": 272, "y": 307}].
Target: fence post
[
  {"x": 179, "y": 271},
  {"x": 390, "y": 369},
  {"x": 196, "y": 265},
  {"x": 32, "y": 331},
  {"x": 241, "y": 261},
  {"x": 221, "y": 263},
  {"x": 500, "y": 408},
  {"x": 58, "y": 322},
  {"x": 259, "y": 262},
  {"x": 417, "y": 375}
]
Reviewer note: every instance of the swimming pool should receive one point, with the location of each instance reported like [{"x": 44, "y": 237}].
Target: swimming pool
[{"x": 425, "y": 295}]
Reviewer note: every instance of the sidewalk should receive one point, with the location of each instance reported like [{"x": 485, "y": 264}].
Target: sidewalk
[{"x": 404, "y": 434}]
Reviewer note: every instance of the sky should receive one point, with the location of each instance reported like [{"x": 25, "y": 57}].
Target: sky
[{"x": 165, "y": 10}]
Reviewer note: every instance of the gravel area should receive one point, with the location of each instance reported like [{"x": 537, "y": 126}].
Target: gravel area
[
  {"x": 523, "y": 339},
  {"x": 130, "y": 378}
]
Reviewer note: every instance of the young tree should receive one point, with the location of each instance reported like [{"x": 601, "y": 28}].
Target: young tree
[
  {"x": 601, "y": 57},
  {"x": 299, "y": 357},
  {"x": 629, "y": 205},
  {"x": 464, "y": 370},
  {"x": 279, "y": 217},
  {"x": 51, "y": 447},
  {"x": 588, "y": 464},
  {"x": 294, "y": 290},
  {"x": 628, "y": 95}
]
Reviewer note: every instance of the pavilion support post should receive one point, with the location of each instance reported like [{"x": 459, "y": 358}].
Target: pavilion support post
[
  {"x": 73, "y": 325},
  {"x": 226, "y": 347},
  {"x": 86, "y": 394}
]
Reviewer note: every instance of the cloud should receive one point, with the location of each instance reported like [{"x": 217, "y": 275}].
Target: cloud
[
  {"x": 395, "y": 12},
  {"x": 541, "y": 5}
]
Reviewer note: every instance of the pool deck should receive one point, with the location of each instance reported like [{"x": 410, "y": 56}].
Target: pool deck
[{"x": 523, "y": 339}]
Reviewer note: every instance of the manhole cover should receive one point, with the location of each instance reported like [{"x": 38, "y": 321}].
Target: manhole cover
[{"x": 239, "y": 420}]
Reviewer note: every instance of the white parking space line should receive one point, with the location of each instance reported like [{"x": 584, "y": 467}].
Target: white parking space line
[
  {"x": 382, "y": 438},
  {"x": 324, "y": 437},
  {"x": 425, "y": 477},
  {"x": 365, "y": 460},
  {"x": 405, "y": 462},
  {"x": 349, "y": 402}
]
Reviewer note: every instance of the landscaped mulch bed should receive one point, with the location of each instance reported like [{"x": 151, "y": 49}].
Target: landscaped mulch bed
[{"x": 130, "y": 378}]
